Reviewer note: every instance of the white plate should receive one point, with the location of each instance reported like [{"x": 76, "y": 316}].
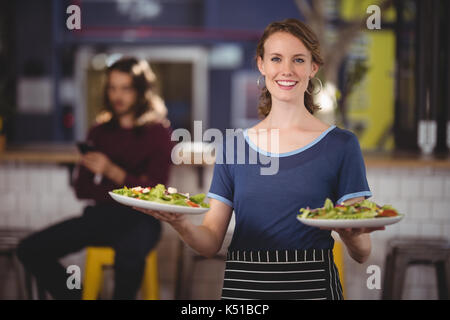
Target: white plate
[
  {"x": 138, "y": 203},
  {"x": 348, "y": 223}
]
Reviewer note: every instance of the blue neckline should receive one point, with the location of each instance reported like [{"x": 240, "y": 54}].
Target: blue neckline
[{"x": 290, "y": 153}]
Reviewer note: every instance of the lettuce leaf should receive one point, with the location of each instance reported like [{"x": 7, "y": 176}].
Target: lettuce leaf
[
  {"x": 328, "y": 205},
  {"x": 198, "y": 198},
  {"x": 158, "y": 191}
]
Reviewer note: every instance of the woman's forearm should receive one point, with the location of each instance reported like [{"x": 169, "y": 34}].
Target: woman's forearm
[
  {"x": 200, "y": 238},
  {"x": 358, "y": 247}
]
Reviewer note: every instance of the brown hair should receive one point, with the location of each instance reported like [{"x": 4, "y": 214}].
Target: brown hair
[
  {"x": 301, "y": 31},
  {"x": 149, "y": 106}
]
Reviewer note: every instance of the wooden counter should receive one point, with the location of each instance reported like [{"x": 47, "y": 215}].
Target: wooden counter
[
  {"x": 68, "y": 154},
  {"x": 404, "y": 160},
  {"x": 58, "y": 154}
]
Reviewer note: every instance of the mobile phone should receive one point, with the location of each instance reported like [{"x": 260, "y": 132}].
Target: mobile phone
[{"x": 85, "y": 147}]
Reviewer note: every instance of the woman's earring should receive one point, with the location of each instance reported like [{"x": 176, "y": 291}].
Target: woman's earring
[
  {"x": 320, "y": 85},
  {"x": 258, "y": 82}
]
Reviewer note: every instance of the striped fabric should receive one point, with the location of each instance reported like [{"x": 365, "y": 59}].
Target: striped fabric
[{"x": 281, "y": 274}]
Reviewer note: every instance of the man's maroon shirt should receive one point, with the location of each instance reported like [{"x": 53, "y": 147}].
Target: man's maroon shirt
[{"x": 143, "y": 152}]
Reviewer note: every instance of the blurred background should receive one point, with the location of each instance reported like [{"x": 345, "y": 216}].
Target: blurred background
[{"x": 388, "y": 83}]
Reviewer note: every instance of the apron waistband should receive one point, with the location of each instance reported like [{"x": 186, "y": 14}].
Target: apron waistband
[{"x": 289, "y": 255}]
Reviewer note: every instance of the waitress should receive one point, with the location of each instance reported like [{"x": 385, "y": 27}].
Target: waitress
[{"x": 272, "y": 255}]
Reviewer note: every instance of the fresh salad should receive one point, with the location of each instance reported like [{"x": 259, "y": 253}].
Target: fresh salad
[
  {"x": 362, "y": 210},
  {"x": 160, "y": 194}
]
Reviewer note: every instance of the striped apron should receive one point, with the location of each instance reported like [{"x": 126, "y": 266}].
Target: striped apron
[{"x": 281, "y": 274}]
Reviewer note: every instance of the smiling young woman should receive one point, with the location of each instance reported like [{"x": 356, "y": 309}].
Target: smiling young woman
[{"x": 272, "y": 255}]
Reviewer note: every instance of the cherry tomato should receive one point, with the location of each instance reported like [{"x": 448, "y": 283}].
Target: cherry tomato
[
  {"x": 388, "y": 213},
  {"x": 192, "y": 204}
]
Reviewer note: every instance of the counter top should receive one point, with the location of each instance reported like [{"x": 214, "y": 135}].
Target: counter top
[
  {"x": 57, "y": 154},
  {"x": 41, "y": 154},
  {"x": 405, "y": 160},
  {"x": 68, "y": 154}
]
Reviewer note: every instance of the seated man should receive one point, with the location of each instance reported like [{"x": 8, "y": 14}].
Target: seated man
[{"x": 131, "y": 147}]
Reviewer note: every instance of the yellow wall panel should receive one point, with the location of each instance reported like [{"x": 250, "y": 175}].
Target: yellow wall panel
[{"x": 372, "y": 100}]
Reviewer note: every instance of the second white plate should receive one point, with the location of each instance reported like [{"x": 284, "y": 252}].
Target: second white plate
[
  {"x": 349, "y": 223},
  {"x": 138, "y": 203}
]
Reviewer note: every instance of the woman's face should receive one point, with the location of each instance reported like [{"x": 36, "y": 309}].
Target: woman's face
[{"x": 287, "y": 66}]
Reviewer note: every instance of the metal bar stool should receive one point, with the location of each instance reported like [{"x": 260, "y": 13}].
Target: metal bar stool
[
  {"x": 410, "y": 251},
  {"x": 9, "y": 239}
]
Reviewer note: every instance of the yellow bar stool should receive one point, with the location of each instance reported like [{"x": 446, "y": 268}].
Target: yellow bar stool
[
  {"x": 338, "y": 253},
  {"x": 98, "y": 257}
]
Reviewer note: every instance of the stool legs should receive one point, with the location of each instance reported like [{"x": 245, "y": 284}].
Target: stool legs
[
  {"x": 29, "y": 286},
  {"x": 338, "y": 254},
  {"x": 443, "y": 279},
  {"x": 150, "y": 287},
  {"x": 387, "y": 283},
  {"x": 400, "y": 263},
  {"x": 93, "y": 274},
  {"x": 394, "y": 281},
  {"x": 447, "y": 277},
  {"x": 97, "y": 257}
]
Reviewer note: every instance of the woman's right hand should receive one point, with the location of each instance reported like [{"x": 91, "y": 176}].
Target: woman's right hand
[{"x": 169, "y": 217}]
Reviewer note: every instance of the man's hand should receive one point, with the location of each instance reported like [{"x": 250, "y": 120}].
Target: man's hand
[
  {"x": 99, "y": 164},
  {"x": 96, "y": 162}
]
